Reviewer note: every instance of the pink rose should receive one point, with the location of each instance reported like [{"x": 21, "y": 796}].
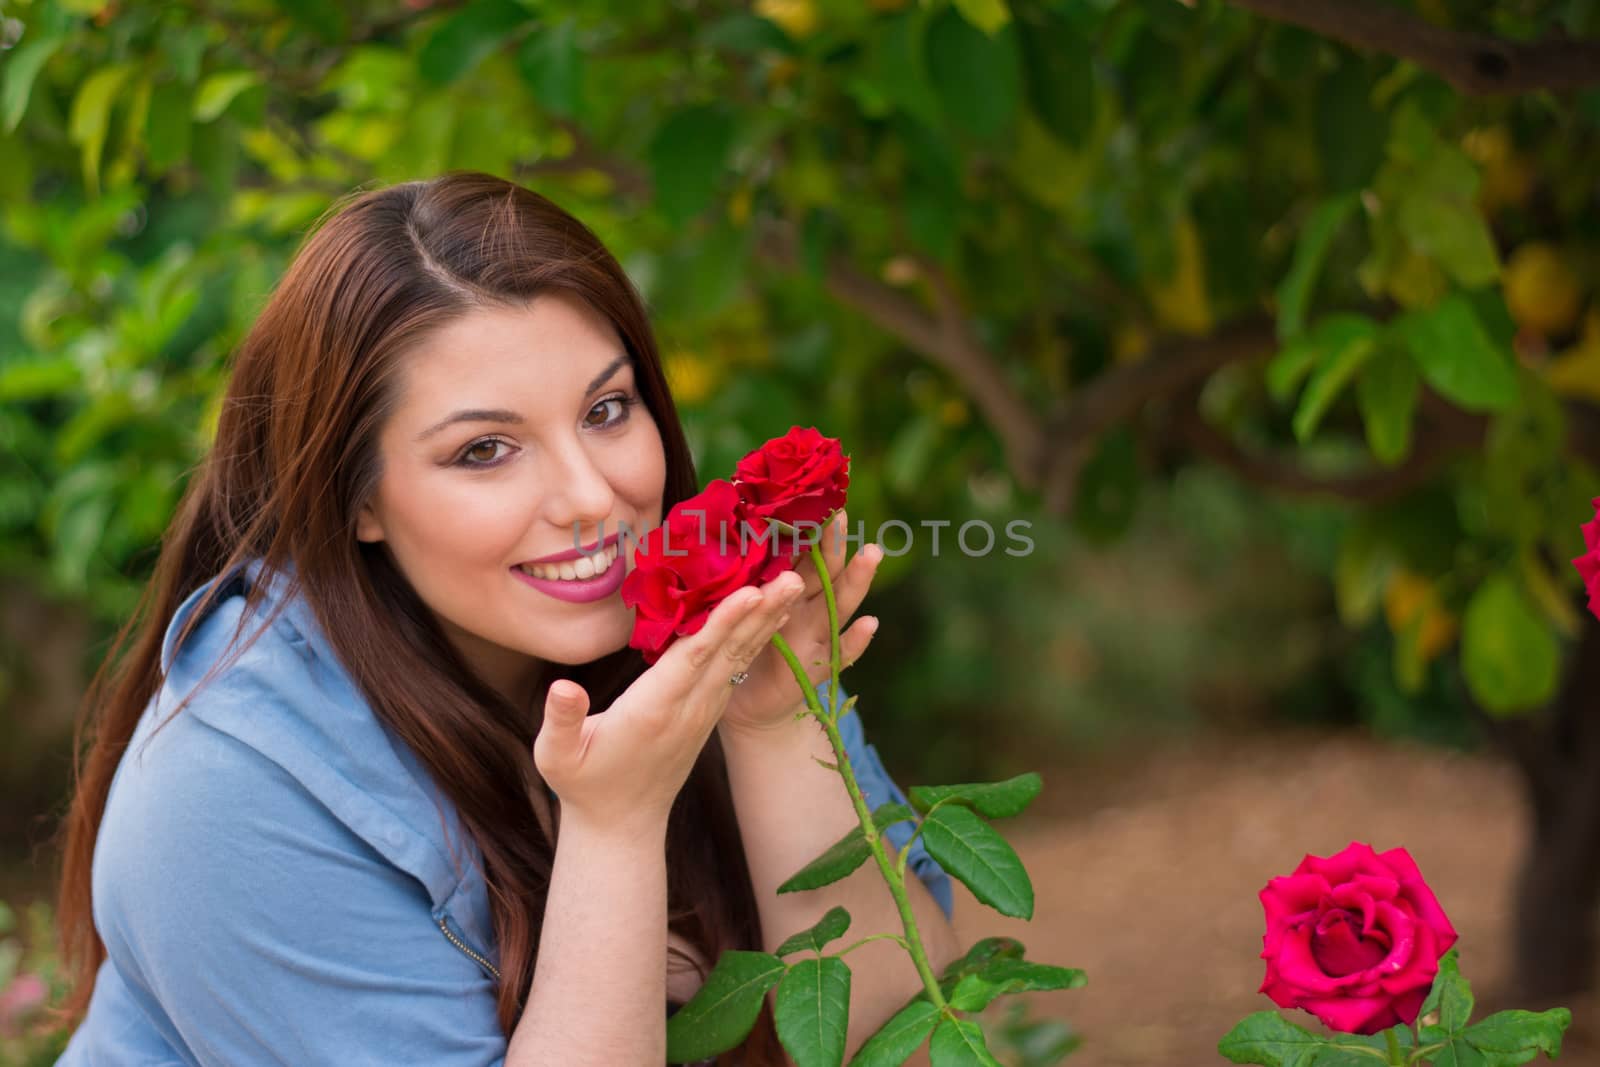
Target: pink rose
[
  {"x": 1588, "y": 564},
  {"x": 1354, "y": 939}
]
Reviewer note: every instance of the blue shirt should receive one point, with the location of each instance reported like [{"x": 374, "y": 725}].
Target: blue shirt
[{"x": 272, "y": 878}]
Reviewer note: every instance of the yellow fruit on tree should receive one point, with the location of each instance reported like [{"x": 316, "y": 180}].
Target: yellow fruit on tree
[
  {"x": 1180, "y": 301},
  {"x": 690, "y": 376},
  {"x": 798, "y": 18},
  {"x": 1542, "y": 293},
  {"x": 1508, "y": 175},
  {"x": 1411, "y": 599}
]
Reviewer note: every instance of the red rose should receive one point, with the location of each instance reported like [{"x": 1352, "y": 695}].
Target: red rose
[
  {"x": 800, "y": 477},
  {"x": 685, "y": 567},
  {"x": 1588, "y": 564},
  {"x": 1354, "y": 939}
]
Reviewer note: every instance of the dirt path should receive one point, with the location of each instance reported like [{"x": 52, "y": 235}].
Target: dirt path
[{"x": 1147, "y": 873}]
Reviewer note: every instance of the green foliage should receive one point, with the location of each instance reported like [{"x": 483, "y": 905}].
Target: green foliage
[
  {"x": 1443, "y": 1035},
  {"x": 721, "y": 1013},
  {"x": 31, "y": 983}
]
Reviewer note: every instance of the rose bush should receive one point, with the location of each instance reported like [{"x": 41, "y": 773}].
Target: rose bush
[{"x": 1354, "y": 939}]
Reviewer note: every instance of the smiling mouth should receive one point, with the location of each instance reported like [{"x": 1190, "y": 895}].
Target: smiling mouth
[{"x": 580, "y": 569}]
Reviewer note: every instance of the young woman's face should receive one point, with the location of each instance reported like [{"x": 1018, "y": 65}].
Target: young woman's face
[{"x": 556, "y": 440}]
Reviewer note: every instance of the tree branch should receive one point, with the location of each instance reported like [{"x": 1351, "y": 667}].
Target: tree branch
[
  {"x": 1472, "y": 62},
  {"x": 944, "y": 337},
  {"x": 1072, "y": 431}
]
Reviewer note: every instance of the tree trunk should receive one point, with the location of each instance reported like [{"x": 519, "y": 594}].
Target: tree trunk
[{"x": 1554, "y": 953}]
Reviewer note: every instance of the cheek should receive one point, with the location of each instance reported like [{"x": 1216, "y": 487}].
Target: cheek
[{"x": 449, "y": 518}]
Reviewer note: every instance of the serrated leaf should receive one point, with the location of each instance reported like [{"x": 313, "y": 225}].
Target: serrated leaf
[
  {"x": 1450, "y": 999},
  {"x": 1345, "y": 343},
  {"x": 1458, "y": 357},
  {"x": 1268, "y": 1039},
  {"x": 842, "y": 857},
  {"x": 1294, "y": 292},
  {"x": 167, "y": 126},
  {"x": 812, "y": 1010},
  {"x": 969, "y": 849},
  {"x": 994, "y": 800},
  {"x": 980, "y": 955},
  {"x": 959, "y": 1043},
  {"x": 1510, "y": 1038},
  {"x": 1509, "y": 655},
  {"x": 688, "y": 157},
  {"x": 724, "y": 1009},
  {"x": 886, "y": 815},
  {"x": 898, "y": 1038},
  {"x": 827, "y": 928},
  {"x": 1453, "y": 233},
  {"x": 974, "y": 992},
  {"x": 1387, "y": 394},
  {"x": 22, "y": 70}
]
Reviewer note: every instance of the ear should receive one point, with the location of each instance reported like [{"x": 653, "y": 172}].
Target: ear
[{"x": 367, "y": 526}]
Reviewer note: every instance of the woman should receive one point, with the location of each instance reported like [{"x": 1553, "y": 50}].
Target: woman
[{"x": 376, "y": 784}]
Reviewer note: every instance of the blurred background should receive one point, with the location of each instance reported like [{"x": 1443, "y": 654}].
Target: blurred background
[{"x": 1278, "y": 320}]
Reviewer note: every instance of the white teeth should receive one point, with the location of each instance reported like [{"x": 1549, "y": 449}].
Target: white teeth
[{"x": 582, "y": 567}]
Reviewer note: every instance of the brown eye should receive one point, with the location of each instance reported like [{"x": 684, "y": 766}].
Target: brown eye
[{"x": 469, "y": 456}]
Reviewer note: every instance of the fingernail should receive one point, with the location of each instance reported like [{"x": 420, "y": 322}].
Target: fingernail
[{"x": 872, "y": 625}]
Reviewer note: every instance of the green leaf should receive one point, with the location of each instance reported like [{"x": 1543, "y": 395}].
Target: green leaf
[
  {"x": 1505, "y": 1039},
  {"x": 995, "y": 800},
  {"x": 1345, "y": 342},
  {"x": 467, "y": 38},
  {"x": 1509, "y": 655},
  {"x": 1457, "y": 356},
  {"x": 1058, "y": 64},
  {"x": 812, "y": 1010},
  {"x": 978, "y": 78},
  {"x": 898, "y": 1038},
  {"x": 1509, "y": 1038},
  {"x": 830, "y": 926},
  {"x": 91, "y": 115},
  {"x": 1269, "y": 1039},
  {"x": 40, "y": 376},
  {"x": 1450, "y": 999},
  {"x": 327, "y": 21},
  {"x": 1454, "y": 234},
  {"x": 987, "y": 15},
  {"x": 1350, "y": 132},
  {"x": 167, "y": 126},
  {"x": 1106, "y": 498},
  {"x": 971, "y": 850},
  {"x": 844, "y": 856},
  {"x": 219, "y": 90},
  {"x": 688, "y": 157},
  {"x": 552, "y": 66},
  {"x": 886, "y": 815},
  {"x": 720, "y": 1015},
  {"x": 980, "y": 955},
  {"x": 1387, "y": 393},
  {"x": 22, "y": 69},
  {"x": 1294, "y": 293},
  {"x": 974, "y": 992},
  {"x": 959, "y": 1043}
]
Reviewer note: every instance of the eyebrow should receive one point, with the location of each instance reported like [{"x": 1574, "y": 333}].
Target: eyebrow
[{"x": 507, "y": 416}]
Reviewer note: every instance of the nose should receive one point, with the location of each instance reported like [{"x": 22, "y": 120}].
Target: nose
[{"x": 577, "y": 494}]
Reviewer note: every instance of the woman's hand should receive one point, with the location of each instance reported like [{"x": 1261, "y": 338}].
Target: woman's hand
[
  {"x": 771, "y": 697},
  {"x": 624, "y": 766}
]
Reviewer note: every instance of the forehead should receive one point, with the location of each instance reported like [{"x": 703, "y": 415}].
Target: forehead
[{"x": 554, "y": 344}]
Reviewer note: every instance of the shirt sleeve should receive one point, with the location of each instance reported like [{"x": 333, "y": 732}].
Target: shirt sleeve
[
  {"x": 264, "y": 931},
  {"x": 879, "y": 789}
]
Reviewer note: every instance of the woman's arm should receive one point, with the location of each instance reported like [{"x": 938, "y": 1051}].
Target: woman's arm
[
  {"x": 790, "y": 810},
  {"x": 599, "y": 986}
]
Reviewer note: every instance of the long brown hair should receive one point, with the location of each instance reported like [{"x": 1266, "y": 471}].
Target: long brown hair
[{"x": 295, "y": 456}]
